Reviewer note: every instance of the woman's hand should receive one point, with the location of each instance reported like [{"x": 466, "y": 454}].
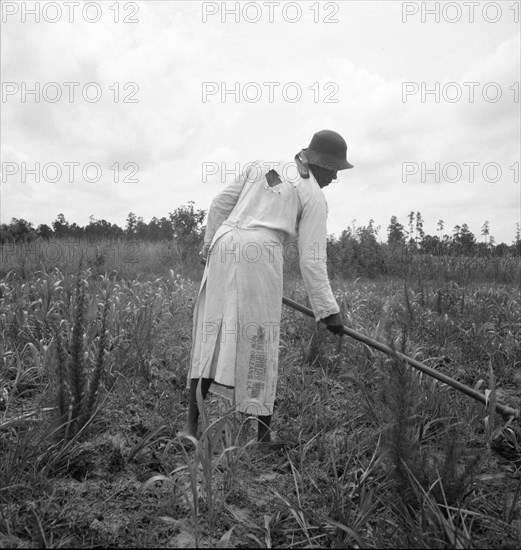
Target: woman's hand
[
  {"x": 334, "y": 323},
  {"x": 204, "y": 253}
]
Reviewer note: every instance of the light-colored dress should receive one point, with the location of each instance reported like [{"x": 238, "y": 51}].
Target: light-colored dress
[{"x": 250, "y": 226}]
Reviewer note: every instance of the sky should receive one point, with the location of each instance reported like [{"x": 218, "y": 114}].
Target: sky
[{"x": 115, "y": 107}]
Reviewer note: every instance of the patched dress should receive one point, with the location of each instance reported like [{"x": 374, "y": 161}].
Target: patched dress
[{"x": 236, "y": 326}]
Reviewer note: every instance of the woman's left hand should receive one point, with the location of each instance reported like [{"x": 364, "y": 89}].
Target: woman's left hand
[{"x": 204, "y": 253}]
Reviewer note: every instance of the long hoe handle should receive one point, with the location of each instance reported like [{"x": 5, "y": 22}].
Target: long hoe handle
[{"x": 478, "y": 396}]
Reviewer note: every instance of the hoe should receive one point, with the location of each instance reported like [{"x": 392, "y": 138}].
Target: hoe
[{"x": 507, "y": 413}]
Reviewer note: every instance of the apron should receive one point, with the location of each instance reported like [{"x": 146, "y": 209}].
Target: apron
[{"x": 235, "y": 339}]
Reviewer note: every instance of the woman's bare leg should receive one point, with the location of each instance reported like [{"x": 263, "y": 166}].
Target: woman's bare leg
[
  {"x": 264, "y": 429},
  {"x": 193, "y": 410}
]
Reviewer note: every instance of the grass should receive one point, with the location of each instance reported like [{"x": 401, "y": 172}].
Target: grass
[{"x": 386, "y": 456}]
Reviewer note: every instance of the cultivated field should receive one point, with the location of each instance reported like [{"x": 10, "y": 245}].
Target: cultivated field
[{"x": 92, "y": 392}]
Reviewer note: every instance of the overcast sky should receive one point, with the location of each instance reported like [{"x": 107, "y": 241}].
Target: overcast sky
[{"x": 366, "y": 69}]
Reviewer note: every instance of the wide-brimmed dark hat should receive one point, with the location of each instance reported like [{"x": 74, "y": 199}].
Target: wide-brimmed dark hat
[{"x": 328, "y": 149}]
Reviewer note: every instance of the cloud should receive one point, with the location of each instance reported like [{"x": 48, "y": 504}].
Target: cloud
[{"x": 361, "y": 62}]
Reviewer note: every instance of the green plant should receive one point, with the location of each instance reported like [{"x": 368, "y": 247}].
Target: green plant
[
  {"x": 339, "y": 481},
  {"x": 78, "y": 377}
]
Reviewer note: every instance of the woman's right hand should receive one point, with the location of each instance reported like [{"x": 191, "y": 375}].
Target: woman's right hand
[{"x": 334, "y": 323}]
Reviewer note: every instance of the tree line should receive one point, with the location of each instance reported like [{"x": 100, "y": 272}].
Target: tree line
[
  {"x": 409, "y": 249},
  {"x": 185, "y": 223},
  {"x": 359, "y": 244}
]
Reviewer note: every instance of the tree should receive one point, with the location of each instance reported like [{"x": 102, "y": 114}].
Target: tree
[
  {"x": 22, "y": 230},
  {"x": 187, "y": 228},
  {"x": 343, "y": 254},
  {"x": 395, "y": 233},
  {"x": 456, "y": 231},
  {"x": 44, "y": 231},
  {"x": 76, "y": 231},
  {"x": 141, "y": 231},
  {"x": 102, "y": 229},
  {"x": 131, "y": 224},
  {"x": 186, "y": 221},
  {"x": 153, "y": 229},
  {"x": 431, "y": 245},
  {"x": 485, "y": 230},
  {"x": 464, "y": 240},
  {"x": 19, "y": 230},
  {"x": 410, "y": 234},
  {"x": 166, "y": 231},
  {"x": 441, "y": 224},
  {"x": 501, "y": 250},
  {"x": 516, "y": 244},
  {"x": 420, "y": 233},
  {"x": 370, "y": 256},
  {"x": 60, "y": 226},
  {"x": 4, "y": 233}
]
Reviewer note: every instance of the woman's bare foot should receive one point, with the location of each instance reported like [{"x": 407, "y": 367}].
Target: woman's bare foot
[{"x": 188, "y": 430}]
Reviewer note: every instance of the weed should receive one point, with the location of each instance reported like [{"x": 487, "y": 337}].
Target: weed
[{"x": 386, "y": 457}]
